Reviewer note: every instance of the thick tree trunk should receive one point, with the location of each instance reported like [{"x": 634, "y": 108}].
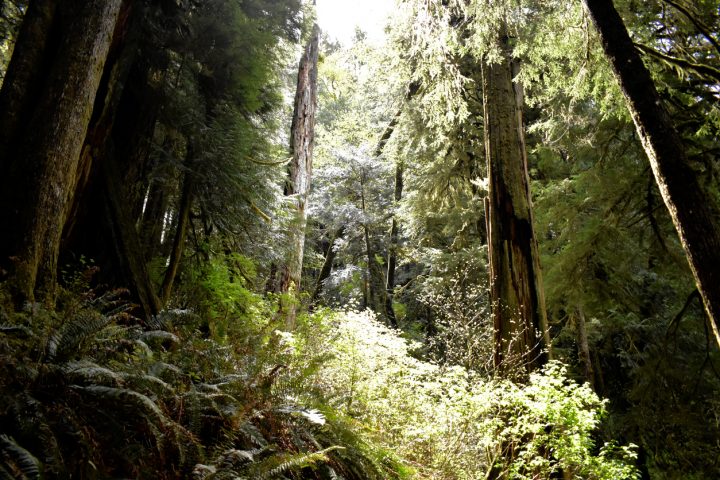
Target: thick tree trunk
[
  {"x": 518, "y": 306},
  {"x": 101, "y": 215},
  {"x": 695, "y": 216},
  {"x": 26, "y": 74},
  {"x": 302, "y": 136},
  {"x": 128, "y": 249},
  {"x": 49, "y": 150}
]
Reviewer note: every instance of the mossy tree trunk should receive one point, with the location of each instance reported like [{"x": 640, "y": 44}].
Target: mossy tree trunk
[
  {"x": 695, "y": 215},
  {"x": 41, "y": 176},
  {"x": 102, "y": 225},
  {"x": 518, "y": 309}
]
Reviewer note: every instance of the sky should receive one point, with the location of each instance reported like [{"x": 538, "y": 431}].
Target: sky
[{"x": 338, "y": 18}]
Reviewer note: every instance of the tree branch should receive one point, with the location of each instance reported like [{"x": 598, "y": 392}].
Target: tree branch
[
  {"x": 702, "y": 28},
  {"x": 699, "y": 68}
]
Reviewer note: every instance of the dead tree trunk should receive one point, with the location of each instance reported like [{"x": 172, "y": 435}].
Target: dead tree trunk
[
  {"x": 695, "y": 216},
  {"x": 302, "y": 136},
  {"x": 42, "y": 176},
  {"x": 518, "y": 306}
]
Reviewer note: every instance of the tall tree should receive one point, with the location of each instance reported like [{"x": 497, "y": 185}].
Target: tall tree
[
  {"x": 301, "y": 147},
  {"x": 695, "y": 216},
  {"x": 518, "y": 303},
  {"x": 40, "y": 174}
]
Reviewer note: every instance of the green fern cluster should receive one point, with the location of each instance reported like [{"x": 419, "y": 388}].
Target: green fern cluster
[{"x": 87, "y": 392}]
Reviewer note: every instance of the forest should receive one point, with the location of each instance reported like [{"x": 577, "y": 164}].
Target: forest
[{"x": 235, "y": 247}]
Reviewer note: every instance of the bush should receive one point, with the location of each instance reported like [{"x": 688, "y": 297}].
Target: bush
[{"x": 449, "y": 423}]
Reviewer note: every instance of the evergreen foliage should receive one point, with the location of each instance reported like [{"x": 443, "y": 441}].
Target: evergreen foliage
[{"x": 165, "y": 355}]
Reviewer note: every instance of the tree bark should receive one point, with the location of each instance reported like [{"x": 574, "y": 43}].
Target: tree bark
[
  {"x": 302, "y": 135},
  {"x": 178, "y": 247},
  {"x": 518, "y": 305},
  {"x": 48, "y": 153},
  {"x": 695, "y": 216},
  {"x": 25, "y": 76},
  {"x": 128, "y": 249}
]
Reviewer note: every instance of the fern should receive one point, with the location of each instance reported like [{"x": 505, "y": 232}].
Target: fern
[
  {"x": 19, "y": 460},
  {"x": 284, "y": 462},
  {"x": 66, "y": 341}
]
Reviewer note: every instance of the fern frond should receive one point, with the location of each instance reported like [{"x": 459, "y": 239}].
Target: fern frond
[
  {"x": 312, "y": 416},
  {"x": 24, "y": 462},
  {"x": 19, "y": 330},
  {"x": 283, "y": 462},
  {"x": 66, "y": 341},
  {"x": 5, "y": 475},
  {"x": 252, "y": 434},
  {"x": 148, "y": 384},
  {"x": 89, "y": 373},
  {"x": 119, "y": 399}
]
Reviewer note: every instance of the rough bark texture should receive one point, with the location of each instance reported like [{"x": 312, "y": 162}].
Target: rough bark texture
[
  {"x": 695, "y": 216},
  {"x": 302, "y": 135},
  {"x": 520, "y": 323},
  {"x": 49, "y": 150},
  {"x": 128, "y": 250},
  {"x": 101, "y": 225},
  {"x": 25, "y": 75}
]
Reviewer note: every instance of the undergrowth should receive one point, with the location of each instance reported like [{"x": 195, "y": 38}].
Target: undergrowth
[{"x": 220, "y": 391}]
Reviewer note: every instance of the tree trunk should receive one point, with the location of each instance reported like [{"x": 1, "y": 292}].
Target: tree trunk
[
  {"x": 26, "y": 74},
  {"x": 178, "y": 247},
  {"x": 518, "y": 305},
  {"x": 152, "y": 219},
  {"x": 128, "y": 249},
  {"x": 49, "y": 150},
  {"x": 374, "y": 293},
  {"x": 393, "y": 248},
  {"x": 695, "y": 216},
  {"x": 327, "y": 265},
  {"x": 584, "y": 348},
  {"x": 302, "y": 135}
]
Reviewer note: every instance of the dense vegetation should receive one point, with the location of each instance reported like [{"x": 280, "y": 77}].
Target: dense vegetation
[{"x": 234, "y": 248}]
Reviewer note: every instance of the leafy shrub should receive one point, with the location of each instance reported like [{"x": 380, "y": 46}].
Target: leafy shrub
[{"x": 448, "y": 422}]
